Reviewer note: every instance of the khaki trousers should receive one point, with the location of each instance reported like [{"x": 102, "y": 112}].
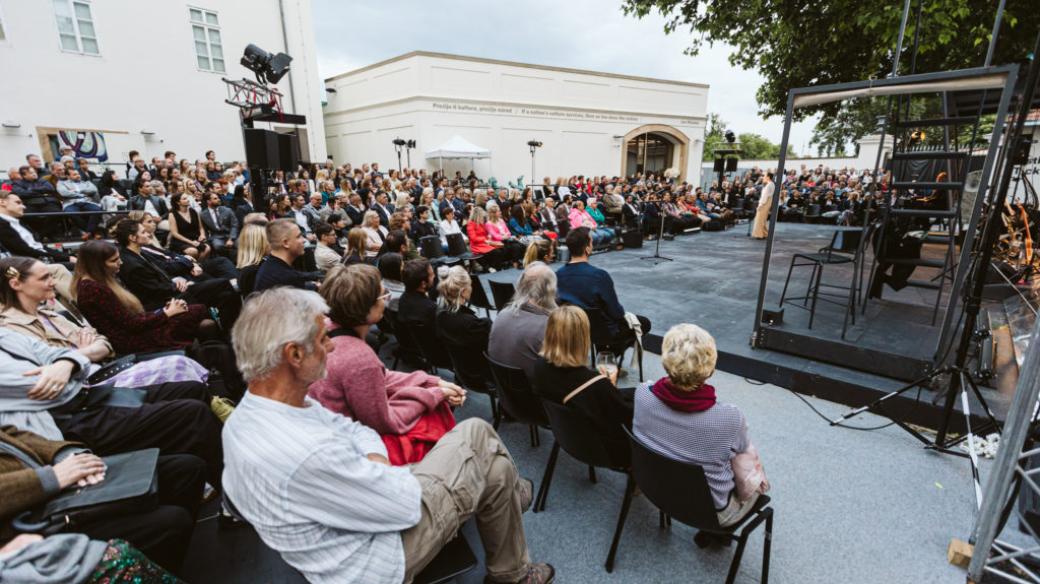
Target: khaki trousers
[
  {"x": 469, "y": 472},
  {"x": 760, "y": 228}
]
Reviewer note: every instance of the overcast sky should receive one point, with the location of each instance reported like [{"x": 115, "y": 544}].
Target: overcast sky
[{"x": 583, "y": 34}]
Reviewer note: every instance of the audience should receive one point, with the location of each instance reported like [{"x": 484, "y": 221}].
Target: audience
[
  {"x": 343, "y": 514},
  {"x": 410, "y": 411},
  {"x": 680, "y": 417},
  {"x": 459, "y": 328},
  {"x": 324, "y": 255},
  {"x": 563, "y": 376},
  {"x": 287, "y": 245}
]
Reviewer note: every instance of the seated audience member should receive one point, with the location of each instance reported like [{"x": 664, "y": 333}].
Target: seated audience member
[
  {"x": 563, "y": 376},
  {"x": 16, "y": 239},
  {"x": 415, "y": 305},
  {"x": 39, "y": 196},
  {"x": 187, "y": 233},
  {"x": 287, "y": 243},
  {"x": 155, "y": 288},
  {"x": 458, "y": 327},
  {"x": 42, "y": 391},
  {"x": 498, "y": 232},
  {"x": 517, "y": 334},
  {"x": 220, "y": 224},
  {"x": 175, "y": 264},
  {"x": 119, "y": 315},
  {"x": 582, "y": 284},
  {"x": 375, "y": 233},
  {"x": 449, "y": 226},
  {"x": 493, "y": 253},
  {"x": 540, "y": 250},
  {"x": 344, "y": 514},
  {"x": 78, "y": 195},
  {"x": 162, "y": 533},
  {"x": 26, "y": 285},
  {"x": 357, "y": 242},
  {"x": 147, "y": 200},
  {"x": 390, "y": 270},
  {"x": 679, "y": 417},
  {"x": 324, "y": 255},
  {"x": 113, "y": 197},
  {"x": 422, "y": 226},
  {"x": 410, "y": 411}
]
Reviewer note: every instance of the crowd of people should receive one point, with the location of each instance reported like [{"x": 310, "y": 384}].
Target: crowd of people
[{"x": 239, "y": 341}]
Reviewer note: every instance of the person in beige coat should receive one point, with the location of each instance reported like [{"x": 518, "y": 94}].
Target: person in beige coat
[{"x": 765, "y": 204}]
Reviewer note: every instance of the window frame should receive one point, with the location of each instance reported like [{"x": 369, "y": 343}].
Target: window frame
[
  {"x": 75, "y": 27},
  {"x": 206, "y": 28}
]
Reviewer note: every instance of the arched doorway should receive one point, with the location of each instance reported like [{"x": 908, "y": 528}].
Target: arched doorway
[{"x": 655, "y": 148}]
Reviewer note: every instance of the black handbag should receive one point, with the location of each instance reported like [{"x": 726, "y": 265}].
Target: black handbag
[{"x": 131, "y": 486}]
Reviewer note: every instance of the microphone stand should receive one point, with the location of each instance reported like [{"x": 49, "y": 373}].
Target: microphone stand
[{"x": 657, "y": 257}]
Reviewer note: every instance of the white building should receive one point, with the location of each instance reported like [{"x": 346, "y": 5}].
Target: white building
[
  {"x": 145, "y": 75},
  {"x": 589, "y": 122}
]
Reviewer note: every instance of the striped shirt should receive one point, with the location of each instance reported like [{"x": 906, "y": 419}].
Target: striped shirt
[
  {"x": 300, "y": 476},
  {"x": 710, "y": 438}
]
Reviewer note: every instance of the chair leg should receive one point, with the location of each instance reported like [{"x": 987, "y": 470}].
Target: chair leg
[
  {"x": 496, "y": 413},
  {"x": 786, "y": 282},
  {"x": 534, "y": 434},
  {"x": 767, "y": 544},
  {"x": 543, "y": 490},
  {"x": 592, "y": 474},
  {"x": 630, "y": 488},
  {"x": 666, "y": 521},
  {"x": 815, "y": 295},
  {"x": 808, "y": 289},
  {"x": 762, "y": 515}
]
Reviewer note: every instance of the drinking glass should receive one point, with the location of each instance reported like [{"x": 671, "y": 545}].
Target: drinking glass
[{"x": 606, "y": 363}]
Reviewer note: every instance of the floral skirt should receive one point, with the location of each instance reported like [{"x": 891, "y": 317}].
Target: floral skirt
[{"x": 123, "y": 563}]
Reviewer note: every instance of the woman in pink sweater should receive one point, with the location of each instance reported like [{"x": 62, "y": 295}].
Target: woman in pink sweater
[{"x": 410, "y": 411}]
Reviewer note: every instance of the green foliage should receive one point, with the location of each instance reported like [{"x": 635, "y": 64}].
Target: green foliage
[
  {"x": 799, "y": 43},
  {"x": 713, "y": 137},
  {"x": 752, "y": 146}
]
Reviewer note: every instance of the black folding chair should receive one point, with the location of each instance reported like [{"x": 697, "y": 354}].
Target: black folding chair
[
  {"x": 407, "y": 349},
  {"x": 680, "y": 490},
  {"x": 575, "y": 433},
  {"x": 431, "y": 349},
  {"x": 517, "y": 399},
  {"x": 457, "y": 248},
  {"x": 473, "y": 373},
  {"x": 478, "y": 297},
  {"x": 602, "y": 340},
  {"x": 430, "y": 248},
  {"x": 502, "y": 292}
]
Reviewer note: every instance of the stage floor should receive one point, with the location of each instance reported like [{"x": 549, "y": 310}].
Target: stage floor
[{"x": 713, "y": 282}]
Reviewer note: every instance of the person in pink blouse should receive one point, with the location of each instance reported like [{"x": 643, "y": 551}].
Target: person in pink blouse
[
  {"x": 498, "y": 230},
  {"x": 579, "y": 217},
  {"x": 410, "y": 411}
]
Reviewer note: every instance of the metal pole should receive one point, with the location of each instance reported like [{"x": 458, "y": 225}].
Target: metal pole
[
  {"x": 1016, "y": 428},
  {"x": 993, "y": 35},
  {"x": 778, "y": 178},
  {"x": 899, "y": 42}
]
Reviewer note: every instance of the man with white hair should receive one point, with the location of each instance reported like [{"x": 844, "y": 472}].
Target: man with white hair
[
  {"x": 317, "y": 486},
  {"x": 517, "y": 333}
]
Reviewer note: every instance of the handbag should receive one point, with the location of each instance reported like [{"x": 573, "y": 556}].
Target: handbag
[
  {"x": 121, "y": 364},
  {"x": 131, "y": 486}
]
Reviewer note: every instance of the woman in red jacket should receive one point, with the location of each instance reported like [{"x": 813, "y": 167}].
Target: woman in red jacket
[
  {"x": 493, "y": 253},
  {"x": 118, "y": 314}
]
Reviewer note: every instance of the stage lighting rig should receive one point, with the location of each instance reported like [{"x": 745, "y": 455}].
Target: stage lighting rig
[
  {"x": 730, "y": 136},
  {"x": 533, "y": 145},
  {"x": 268, "y": 68}
]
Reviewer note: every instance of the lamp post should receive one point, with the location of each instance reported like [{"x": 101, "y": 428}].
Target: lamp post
[{"x": 534, "y": 145}]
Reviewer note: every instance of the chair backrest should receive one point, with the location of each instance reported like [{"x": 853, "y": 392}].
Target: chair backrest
[
  {"x": 432, "y": 350},
  {"x": 403, "y": 332},
  {"x": 457, "y": 245},
  {"x": 678, "y": 488},
  {"x": 515, "y": 394},
  {"x": 579, "y": 436},
  {"x": 479, "y": 297},
  {"x": 502, "y": 292},
  {"x": 813, "y": 210},
  {"x": 598, "y": 328},
  {"x": 430, "y": 247},
  {"x": 470, "y": 367}
]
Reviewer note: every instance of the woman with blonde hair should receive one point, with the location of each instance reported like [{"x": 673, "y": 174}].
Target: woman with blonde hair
[
  {"x": 252, "y": 245},
  {"x": 540, "y": 250},
  {"x": 680, "y": 417},
  {"x": 375, "y": 233},
  {"x": 562, "y": 375},
  {"x": 459, "y": 327}
]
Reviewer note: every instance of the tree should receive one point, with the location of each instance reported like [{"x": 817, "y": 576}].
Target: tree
[
  {"x": 713, "y": 137},
  {"x": 799, "y": 43}
]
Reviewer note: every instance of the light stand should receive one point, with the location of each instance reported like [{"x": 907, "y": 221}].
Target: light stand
[
  {"x": 399, "y": 145},
  {"x": 408, "y": 152},
  {"x": 534, "y": 145}
]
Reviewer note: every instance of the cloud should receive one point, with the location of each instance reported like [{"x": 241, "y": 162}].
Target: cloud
[{"x": 583, "y": 34}]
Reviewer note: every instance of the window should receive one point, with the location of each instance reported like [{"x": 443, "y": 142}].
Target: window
[
  {"x": 76, "y": 26},
  {"x": 206, "y": 31}
]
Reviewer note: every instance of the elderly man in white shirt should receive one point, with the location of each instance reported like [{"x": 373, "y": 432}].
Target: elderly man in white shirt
[{"x": 318, "y": 487}]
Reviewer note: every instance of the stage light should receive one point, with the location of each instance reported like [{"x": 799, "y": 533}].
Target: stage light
[
  {"x": 410, "y": 144},
  {"x": 268, "y": 68},
  {"x": 534, "y": 144},
  {"x": 730, "y": 136},
  {"x": 399, "y": 142}
]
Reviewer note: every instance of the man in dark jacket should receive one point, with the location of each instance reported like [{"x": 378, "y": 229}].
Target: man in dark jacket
[
  {"x": 287, "y": 244},
  {"x": 221, "y": 223},
  {"x": 39, "y": 196},
  {"x": 16, "y": 239}
]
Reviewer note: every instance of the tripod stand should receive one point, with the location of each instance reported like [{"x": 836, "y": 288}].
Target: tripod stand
[{"x": 657, "y": 257}]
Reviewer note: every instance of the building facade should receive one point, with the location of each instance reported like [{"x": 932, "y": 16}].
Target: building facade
[
  {"x": 588, "y": 122},
  {"x": 111, "y": 76}
]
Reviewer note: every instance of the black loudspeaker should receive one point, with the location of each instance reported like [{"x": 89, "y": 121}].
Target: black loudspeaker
[
  {"x": 632, "y": 239},
  {"x": 731, "y": 164},
  {"x": 719, "y": 162},
  {"x": 261, "y": 148},
  {"x": 288, "y": 152}
]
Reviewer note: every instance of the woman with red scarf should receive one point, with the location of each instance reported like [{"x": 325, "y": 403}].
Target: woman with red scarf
[
  {"x": 410, "y": 411},
  {"x": 680, "y": 417}
]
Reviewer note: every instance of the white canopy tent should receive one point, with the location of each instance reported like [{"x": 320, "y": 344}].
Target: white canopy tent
[{"x": 458, "y": 147}]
